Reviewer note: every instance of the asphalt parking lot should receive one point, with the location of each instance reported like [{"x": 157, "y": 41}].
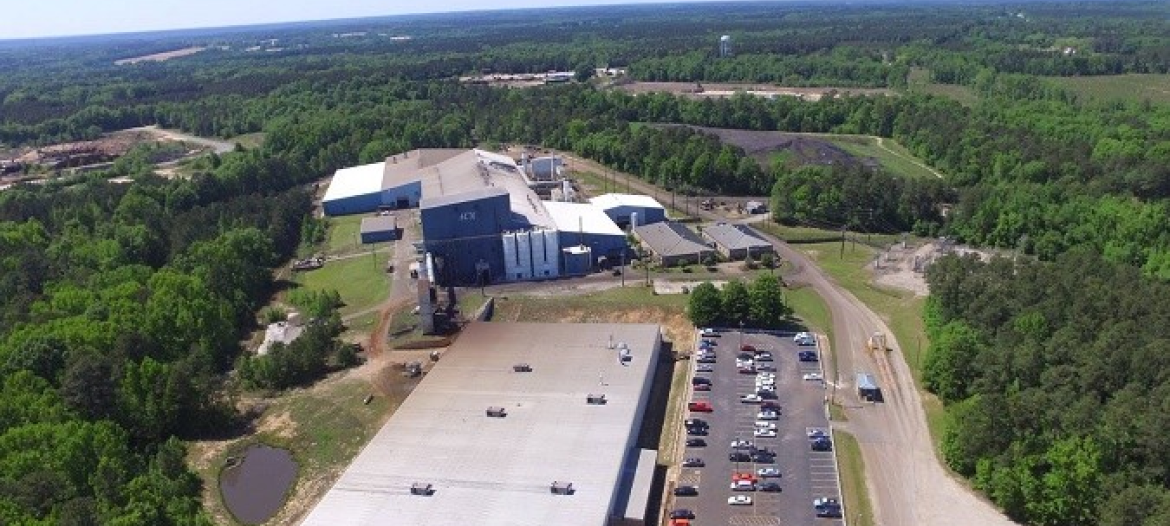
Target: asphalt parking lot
[{"x": 805, "y": 474}]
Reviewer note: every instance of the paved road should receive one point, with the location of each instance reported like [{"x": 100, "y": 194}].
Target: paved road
[{"x": 907, "y": 483}]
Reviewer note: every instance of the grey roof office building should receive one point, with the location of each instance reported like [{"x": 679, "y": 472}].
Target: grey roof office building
[
  {"x": 737, "y": 241},
  {"x": 567, "y": 400},
  {"x": 672, "y": 243}
]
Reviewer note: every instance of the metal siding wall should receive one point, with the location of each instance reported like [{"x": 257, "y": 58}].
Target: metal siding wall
[
  {"x": 358, "y": 204},
  {"x": 463, "y": 233}
]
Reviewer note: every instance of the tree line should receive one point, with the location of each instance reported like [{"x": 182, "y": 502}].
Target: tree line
[{"x": 758, "y": 305}]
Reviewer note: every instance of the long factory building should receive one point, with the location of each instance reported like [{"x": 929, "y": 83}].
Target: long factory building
[
  {"x": 518, "y": 424},
  {"x": 483, "y": 218}
]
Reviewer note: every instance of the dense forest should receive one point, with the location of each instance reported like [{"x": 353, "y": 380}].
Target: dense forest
[
  {"x": 1057, "y": 377},
  {"x": 121, "y": 306}
]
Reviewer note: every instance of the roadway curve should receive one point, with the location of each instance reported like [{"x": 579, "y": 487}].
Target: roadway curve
[{"x": 907, "y": 483}]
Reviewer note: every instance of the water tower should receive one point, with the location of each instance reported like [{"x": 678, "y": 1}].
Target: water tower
[{"x": 725, "y": 46}]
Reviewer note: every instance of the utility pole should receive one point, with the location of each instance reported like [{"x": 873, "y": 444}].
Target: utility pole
[
  {"x": 843, "y": 227},
  {"x": 623, "y": 267}
]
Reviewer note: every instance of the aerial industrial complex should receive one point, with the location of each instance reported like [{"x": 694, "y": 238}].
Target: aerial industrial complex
[
  {"x": 488, "y": 219},
  {"x": 517, "y": 424}
]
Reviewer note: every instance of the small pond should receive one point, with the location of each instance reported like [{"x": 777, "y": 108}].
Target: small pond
[{"x": 254, "y": 487}]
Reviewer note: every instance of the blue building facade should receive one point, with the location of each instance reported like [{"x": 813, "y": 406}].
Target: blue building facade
[{"x": 462, "y": 232}]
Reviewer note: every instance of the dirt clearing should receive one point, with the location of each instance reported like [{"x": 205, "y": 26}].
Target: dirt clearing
[
  {"x": 699, "y": 90},
  {"x": 161, "y": 57}
]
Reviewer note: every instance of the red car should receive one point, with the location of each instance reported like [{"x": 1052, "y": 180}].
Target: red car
[
  {"x": 748, "y": 348},
  {"x": 701, "y": 407}
]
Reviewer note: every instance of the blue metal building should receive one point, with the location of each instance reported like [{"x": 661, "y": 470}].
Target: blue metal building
[{"x": 462, "y": 231}]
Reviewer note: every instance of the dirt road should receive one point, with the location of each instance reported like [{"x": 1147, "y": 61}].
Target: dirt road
[
  {"x": 908, "y": 485},
  {"x": 220, "y": 147}
]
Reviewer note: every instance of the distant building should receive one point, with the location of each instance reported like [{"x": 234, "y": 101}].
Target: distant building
[
  {"x": 672, "y": 243},
  {"x": 621, "y": 208},
  {"x": 284, "y": 332},
  {"x": 379, "y": 228},
  {"x": 737, "y": 242},
  {"x": 725, "y": 46}
]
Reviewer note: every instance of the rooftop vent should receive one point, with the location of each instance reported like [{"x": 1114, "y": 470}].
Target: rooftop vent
[
  {"x": 522, "y": 368},
  {"x": 561, "y": 488},
  {"x": 595, "y": 399},
  {"x": 422, "y": 488},
  {"x": 496, "y": 412}
]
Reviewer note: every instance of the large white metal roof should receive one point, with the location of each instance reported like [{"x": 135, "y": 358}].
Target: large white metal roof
[
  {"x": 581, "y": 217},
  {"x": 498, "y": 471},
  {"x": 609, "y": 201},
  {"x": 357, "y": 180}
]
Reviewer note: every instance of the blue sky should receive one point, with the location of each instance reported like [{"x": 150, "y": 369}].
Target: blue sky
[{"x": 43, "y": 18}]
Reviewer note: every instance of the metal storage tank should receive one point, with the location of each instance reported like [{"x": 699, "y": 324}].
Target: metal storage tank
[
  {"x": 545, "y": 247},
  {"x": 578, "y": 260},
  {"x": 523, "y": 257}
]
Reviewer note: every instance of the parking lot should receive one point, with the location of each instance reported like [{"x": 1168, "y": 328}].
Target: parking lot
[{"x": 805, "y": 474}]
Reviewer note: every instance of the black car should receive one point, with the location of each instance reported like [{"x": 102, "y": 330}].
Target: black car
[
  {"x": 826, "y": 507},
  {"x": 694, "y": 463},
  {"x": 807, "y": 356},
  {"x": 697, "y": 431},
  {"x": 746, "y": 356},
  {"x": 696, "y": 442},
  {"x": 739, "y": 456},
  {"x": 700, "y": 380},
  {"x": 696, "y": 422},
  {"x": 767, "y": 395},
  {"x": 682, "y": 513},
  {"x": 769, "y": 486},
  {"x": 822, "y": 444},
  {"x": 706, "y": 359},
  {"x": 686, "y": 491},
  {"x": 763, "y": 459}
]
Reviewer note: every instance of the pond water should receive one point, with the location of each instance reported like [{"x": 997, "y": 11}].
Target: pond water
[{"x": 254, "y": 488}]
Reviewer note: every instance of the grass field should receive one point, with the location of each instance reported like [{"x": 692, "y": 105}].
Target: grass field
[
  {"x": 1136, "y": 88},
  {"x": 893, "y": 157},
  {"x": 919, "y": 81},
  {"x": 805, "y": 234},
  {"x": 857, "y": 506},
  {"x": 249, "y": 140},
  {"x": 362, "y": 281},
  {"x": 344, "y": 234}
]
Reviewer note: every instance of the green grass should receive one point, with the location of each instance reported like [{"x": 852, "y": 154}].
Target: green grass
[
  {"x": 1133, "y": 87},
  {"x": 362, "y": 281},
  {"x": 344, "y": 234},
  {"x": 811, "y": 308},
  {"x": 893, "y": 157},
  {"x": 249, "y": 140},
  {"x": 857, "y": 506},
  {"x": 807, "y": 234},
  {"x": 919, "y": 81}
]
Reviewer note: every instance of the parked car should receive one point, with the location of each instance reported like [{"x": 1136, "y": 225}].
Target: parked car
[
  {"x": 696, "y": 422},
  {"x": 766, "y": 388},
  {"x": 739, "y": 456},
  {"x": 693, "y": 462},
  {"x": 682, "y": 513},
  {"x": 767, "y": 415},
  {"x": 761, "y": 458},
  {"x": 807, "y": 356},
  {"x": 708, "y": 332},
  {"x": 822, "y": 444},
  {"x": 764, "y": 357},
  {"x": 770, "y": 405},
  {"x": 746, "y": 369},
  {"x": 827, "y": 507},
  {"x": 765, "y": 366},
  {"x": 770, "y": 487},
  {"x": 741, "y": 444},
  {"x": 748, "y": 348},
  {"x": 704, "y": 368},
  {"x": 813, "y": 377},
  {"x": 701, "y": 406},
  {"x": 739, "y": 500},
  {"x": 697, "y": 431},
  {"x": 768, "y": 472},
  {"x": 700, "y": 380},
  {"x": 764, "y": 433},
  {"x": 686, "y": 491},
  {"x": 744, "y": 476},
  {"x": 817, "y": 433},
  {"x": 761, "y": 424},
  {"x": 708, "y": 342},
  {"x": 696, "y": 442},
  {"x": 750, "y": 398},
  {"x": 804, "y": 338},
  {"x": 706, "y": 359},
  {"x": 743, "y": 485},
  {"x": 702, "y": 387},
  {"x": 766, "y": 395}
]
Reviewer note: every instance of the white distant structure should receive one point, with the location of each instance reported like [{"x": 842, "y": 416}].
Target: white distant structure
[
  {"x": 725, "y": 46},
  {"x": 282, "y": 331}
]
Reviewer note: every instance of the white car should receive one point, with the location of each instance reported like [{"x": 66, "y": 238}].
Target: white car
[
  {"x": 767, "y": 415},
  {"x": 817, "y": 432},
  {"x": 743, "y": 485},
  {"x": 766, "y": 388},
  {"x": 739, "y": 500},
  {"x": 751, "y": 399},
  {"x": 766, "y": 375},
  {"x": 741, "y": 444},
  {"x": 761, "y": 424},
  {"x": 764, "y": 433},
  {"x": 768, "y": 473},
  {"x": 814, "y": 377}
]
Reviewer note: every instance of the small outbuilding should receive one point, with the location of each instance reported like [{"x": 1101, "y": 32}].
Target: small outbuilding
[
  {"x": 629, "y": 209},
  {"x": 379, "y": 228},
  {"x": 737, "y": 242},
  {"x": 867, "y": 388},
  {"x": 673, "y": 244}
]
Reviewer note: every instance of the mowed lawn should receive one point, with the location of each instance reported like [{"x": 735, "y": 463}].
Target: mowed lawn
[
  {"x": 344, "y": 234},
  {"x": 362, "y": 281},
  {"x": 893, "y": 157},
  {"x": 1133, "y": 87}
]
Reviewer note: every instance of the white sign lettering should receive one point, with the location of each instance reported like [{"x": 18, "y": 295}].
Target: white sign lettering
[{"x": 467, "y": 216}]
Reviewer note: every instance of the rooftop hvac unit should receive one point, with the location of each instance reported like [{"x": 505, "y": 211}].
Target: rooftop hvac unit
[
  {"x": 496, "y": 412},
  {"x": 422, "y": 488},
  {"x": 595, "y": 399},
  {"x": 561, "y": 488},
  {"x": 522, "y": 368}
]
